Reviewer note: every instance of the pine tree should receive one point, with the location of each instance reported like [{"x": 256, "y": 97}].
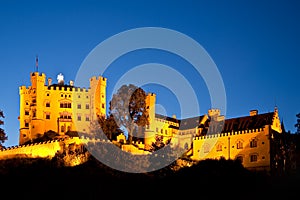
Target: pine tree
[
  {"x": 3, "y": 136},
  {"x": 297, "y": 125}
]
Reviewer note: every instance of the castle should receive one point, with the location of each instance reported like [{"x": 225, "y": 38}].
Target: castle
[
  {"x": 56, "y": 107},
  {"x": 256, "y": 140}
]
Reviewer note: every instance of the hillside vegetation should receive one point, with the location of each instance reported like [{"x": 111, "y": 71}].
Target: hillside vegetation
[{"x": 45, "y": 178}]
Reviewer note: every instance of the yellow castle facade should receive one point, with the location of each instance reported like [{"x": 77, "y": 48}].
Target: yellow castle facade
[
  {"x": 59, "y": 107},
  {"x": 256, "y": 139},
  {"x": 253, "y": 139}
]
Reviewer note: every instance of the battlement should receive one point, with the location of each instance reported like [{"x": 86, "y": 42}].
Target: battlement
[
  {"x": 151, "y": 94},
  {"x": 47, "y": 148},
  {"x": 67, "y": 88},
  {"x": 38, "y": 74},
  {"x": 228, "y": 134},
  {"x": 83, "y": 139},
  {"x": 94, "y": 78}
]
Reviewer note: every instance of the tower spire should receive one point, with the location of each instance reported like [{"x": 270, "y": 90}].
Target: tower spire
[{"x": 36, "y": 63}]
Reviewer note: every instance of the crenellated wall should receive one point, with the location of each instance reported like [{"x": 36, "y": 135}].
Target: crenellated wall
[{"x": 45, "y": 149}]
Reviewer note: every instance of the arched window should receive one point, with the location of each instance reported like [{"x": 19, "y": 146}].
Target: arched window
[
  {"x": 186, "y": 146},
  {"x": 219, "y": 147},
  {"x": 239, "y": 144},
  {"x": 253, "y": 157},
  {"x": 206, "y": 148},
  {"x": 62, "y": 128},
  {"x": 253, "y": 142}
]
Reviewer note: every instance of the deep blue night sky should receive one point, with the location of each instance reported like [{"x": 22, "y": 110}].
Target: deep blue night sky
[{"x": 254, "y": 44}]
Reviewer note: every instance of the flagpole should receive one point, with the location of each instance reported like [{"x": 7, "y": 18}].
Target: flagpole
[{"x": 36, "y": 63}]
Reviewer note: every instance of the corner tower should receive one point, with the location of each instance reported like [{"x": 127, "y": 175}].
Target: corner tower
[
  {"x": 98, "y": 96},
  {"x": 31, "y": 108}
]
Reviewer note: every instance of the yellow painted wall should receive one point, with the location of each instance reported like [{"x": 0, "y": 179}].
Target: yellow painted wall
[
  {"x": 41, "y": 111},
  {"x": 226, "y": 145},
  {"x": 42, "y": 150}
]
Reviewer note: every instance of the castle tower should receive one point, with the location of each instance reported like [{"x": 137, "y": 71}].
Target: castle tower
[
  {"x": 98, "y": 96},
  {"x": 31, "y": 111},
  {"x": 149, "y": 132}
]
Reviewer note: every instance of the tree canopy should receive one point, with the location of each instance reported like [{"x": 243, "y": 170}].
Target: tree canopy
[
  {"x": 128, "y": 108},
  {"x": 105, "y": 126},
  {"x": 3, "y": 136}
]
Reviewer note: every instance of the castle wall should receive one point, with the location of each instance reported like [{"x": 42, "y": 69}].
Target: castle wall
[
  {"x": 59, "y": 108},
  {"x": 45, "y": 149},
  {"x": 236, "y": 145}
]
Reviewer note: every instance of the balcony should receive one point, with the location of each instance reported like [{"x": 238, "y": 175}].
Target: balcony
[{"x": 64, "y": 119}]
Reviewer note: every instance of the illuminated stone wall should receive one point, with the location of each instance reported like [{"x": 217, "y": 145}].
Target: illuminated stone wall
[
  {"x": 45, "y": 149},
  {"x": 59, "y": 107},
  {"x": 251, "y": 146}
]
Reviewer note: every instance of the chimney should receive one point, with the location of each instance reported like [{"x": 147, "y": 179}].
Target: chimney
[
  {"x": 213, "y": 112},
  {"x": 253, "y": 112},
  {"x": 49, "y": 81},
  {"x": 71, "y": 83}
]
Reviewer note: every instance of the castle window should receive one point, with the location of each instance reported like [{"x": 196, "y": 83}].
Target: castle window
[
  {"x": 166, "y": 132},
  {"x": 253, "y": 158},
  {"x": 219, "y": 147},
  {"x": 78, "y": 106},
  {"x": 87, "y": 106},
  {"x": 253, "y": 143},
  {"x": 47, "y": 116},
  {"x": 48, "y": 104},
  {"x": 206, "y": 148},
  {"x": 87, "y": 97},
  {"x": 62, "y": 128},
  {"x": 87, "y": 118},
  {"x": 156, "y": 130},
  {"x": 78, "y": 117},
  {"x": 186, "y": 146},
  {"x": 27, "y": 103},
  {"x": 48, "y": 94},
  {"x": 26, "y": 112},
  {"x": 26, "y": 124},
  {"x": 239, "y": 145},
  {"x": 161, "y": 130},
  {"x": 61, "y": 95},
  {"x": 65, "y": 105},
  {"x": 34, "y": 113},
  {"x": 65, "y": 115},
  {"x": 78, "y": 96},
  {"x": 103, "y": 105}
]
